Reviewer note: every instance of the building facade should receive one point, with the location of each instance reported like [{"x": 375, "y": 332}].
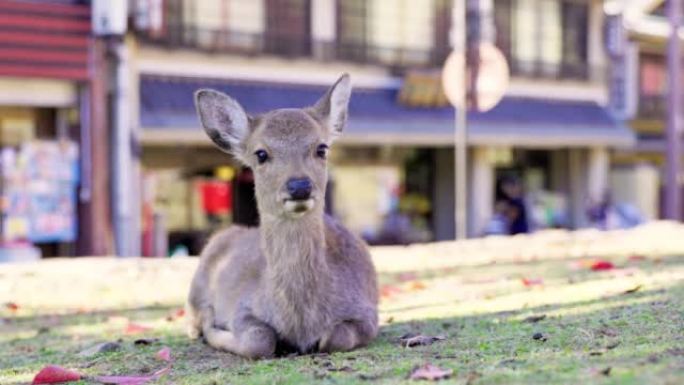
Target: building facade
[
  {"x": 53, "y": 136},
  {"x": 552, "y": 130}
]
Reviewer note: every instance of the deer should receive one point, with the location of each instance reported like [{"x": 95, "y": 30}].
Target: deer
[{"x": 300, "y": 282}]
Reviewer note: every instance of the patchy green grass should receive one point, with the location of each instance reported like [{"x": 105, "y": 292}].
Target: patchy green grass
[{"x": 621, "y": 326}]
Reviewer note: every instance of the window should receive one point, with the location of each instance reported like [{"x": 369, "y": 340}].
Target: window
[
  {"x": 288, "y": 27},
  {"x": 543, "y": 37},
  {"x": 392, "y": 32}
]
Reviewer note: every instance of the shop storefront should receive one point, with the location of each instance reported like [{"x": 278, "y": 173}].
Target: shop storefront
[
  {"x": 395, "y": 158},
  {"x": 43, "y": 80}
]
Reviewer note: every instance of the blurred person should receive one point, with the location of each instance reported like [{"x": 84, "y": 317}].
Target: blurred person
[
  {"x": 498, "y": 223},
  {"x": 510, "y": 191}
]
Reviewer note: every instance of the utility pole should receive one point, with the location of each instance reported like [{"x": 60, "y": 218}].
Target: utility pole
[
  {"x": 673, "y": 207},
  {"x": 460, "y": 31}
]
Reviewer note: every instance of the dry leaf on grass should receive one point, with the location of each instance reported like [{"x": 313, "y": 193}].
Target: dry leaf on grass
[
  {"x": 132, "y": 380},
  {"x": 53, "y": 374},
  {"x": 430, "y": 372},
  {"x": 410, "y": 340},
  {"x": 134, "y": 328},
  {"x": 532, "y": 282},
  {"x": 164, "y": 354},
  {"x": 633, "y": 290},
  {"x": 602, "y": 265},
  {"x": 535, "y": 318}
]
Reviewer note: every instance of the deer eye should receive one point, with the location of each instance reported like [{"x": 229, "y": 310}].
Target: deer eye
[
  {"x": 262, "y": 156},
  {"x": 322, "y": 151}
]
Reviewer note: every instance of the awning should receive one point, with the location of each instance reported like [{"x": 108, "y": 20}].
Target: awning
[{"x": 167, "y": 114}]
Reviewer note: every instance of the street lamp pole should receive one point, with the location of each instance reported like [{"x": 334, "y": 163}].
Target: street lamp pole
[
  {"x": 673, "y": 208},
  {"x": 461, "y": 130}
]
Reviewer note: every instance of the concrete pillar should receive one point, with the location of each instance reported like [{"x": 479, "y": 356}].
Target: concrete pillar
[
  {"x": 443, "y": 200},
  {"x": 577, "y": 197},
  {"x": 323, "y": 22},
  {"x": 482, "y": 189},
  {"x": 597, "y": 169}
]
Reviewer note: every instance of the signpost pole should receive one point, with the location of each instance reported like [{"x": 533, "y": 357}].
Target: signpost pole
[{"x": 461, "y": 129}]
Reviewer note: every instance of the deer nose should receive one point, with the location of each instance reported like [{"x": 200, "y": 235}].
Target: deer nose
[{"x": 299, "y": 188}]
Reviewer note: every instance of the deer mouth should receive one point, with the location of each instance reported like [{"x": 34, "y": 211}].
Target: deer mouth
[{"x": 298, "y": 207}]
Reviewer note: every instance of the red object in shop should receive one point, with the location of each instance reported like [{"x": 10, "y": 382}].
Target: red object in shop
[{"x": 217, "y": 197}]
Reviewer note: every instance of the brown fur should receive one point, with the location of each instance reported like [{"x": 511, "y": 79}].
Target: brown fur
[{"x": 301, "y": 280}]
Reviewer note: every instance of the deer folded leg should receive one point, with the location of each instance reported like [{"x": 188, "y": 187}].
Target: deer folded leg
[
  {"x": 346, "y": 336},
  {"x": 254, "y": 339}
]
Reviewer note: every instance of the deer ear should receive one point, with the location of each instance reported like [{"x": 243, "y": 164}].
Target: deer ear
[
  {"x": 332, "y": 107},
  {"x": 223, "y": 119}
]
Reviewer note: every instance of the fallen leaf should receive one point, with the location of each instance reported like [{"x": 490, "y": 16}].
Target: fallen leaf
[
  {"x": 12, "y": 306},
  {"x": 164, "y": 354},
  {"x": 419, "y": 340},
  {"x": 430, "y": 372},
  {"x": 535, "y": 318},
  {"x": 633, "y": 290},
  {"x": 416, "y": 285},
  {"x": 389, "y": 291},
  {"x": 145, "y": 341},
  {"x": 134, "y": 328},
  {"x": 606, "y": 371},
  {"x": 613, "y": 345},
  {"x": 606, "y": 331},
  {"x": 601, "y": 265},
  {"x": 53, "y": 374},
  {"x": 389, "y": 320},
  {"x": 104, "y": 347},
  {"x": 596, "y": 353},
  {"x": 132, "y": 380},
  {"x": 179, "y": 313},
  {"x": 532, "y": 281},
  {"x": 636, "y": 258}
]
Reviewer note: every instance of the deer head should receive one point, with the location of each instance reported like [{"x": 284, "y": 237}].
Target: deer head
[{"x": 285, "y": 148}]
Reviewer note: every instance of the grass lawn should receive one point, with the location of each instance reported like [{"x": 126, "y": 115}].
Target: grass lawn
[{"x": 488, "y": 298}]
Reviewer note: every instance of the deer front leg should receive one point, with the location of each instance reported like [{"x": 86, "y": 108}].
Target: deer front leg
[
  {"x": 347, "y": 335},
  {"x": 251, "y": 338}
]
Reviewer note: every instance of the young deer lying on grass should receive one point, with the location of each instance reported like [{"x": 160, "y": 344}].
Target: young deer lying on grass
[{"x": 300, "y": 281}]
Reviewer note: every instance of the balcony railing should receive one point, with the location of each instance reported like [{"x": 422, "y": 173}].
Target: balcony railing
[{"x": 399, "y": 59}]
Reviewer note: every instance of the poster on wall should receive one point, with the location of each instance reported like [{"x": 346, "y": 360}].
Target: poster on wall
[{"x": 39, "y": 191}]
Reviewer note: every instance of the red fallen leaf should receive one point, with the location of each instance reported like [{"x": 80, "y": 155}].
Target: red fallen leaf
[
  {"x": 179, "y": 313},
  {"x": 430, "y": 372},
  {"x": 388, "y": 291},
  {"x": 53, "y": 374},
  {"x": 164, "y": 354},
  {"x": 132, "y": 380},
  {"x": 12, "y": 306},
  {"x": 636, "y": 258},
  {"x": 602, "y": 265},
  {"x": 133, "y": 328},
  {"x": 532, "y": 282}
]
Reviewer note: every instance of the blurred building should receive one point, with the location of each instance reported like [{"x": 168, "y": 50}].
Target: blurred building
[
  {"x": 640, "y": 169},
  {"x": 552, "y": 130},
  {"x": 120, "y": 89},
  {"x": 53, "y": 137}
]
